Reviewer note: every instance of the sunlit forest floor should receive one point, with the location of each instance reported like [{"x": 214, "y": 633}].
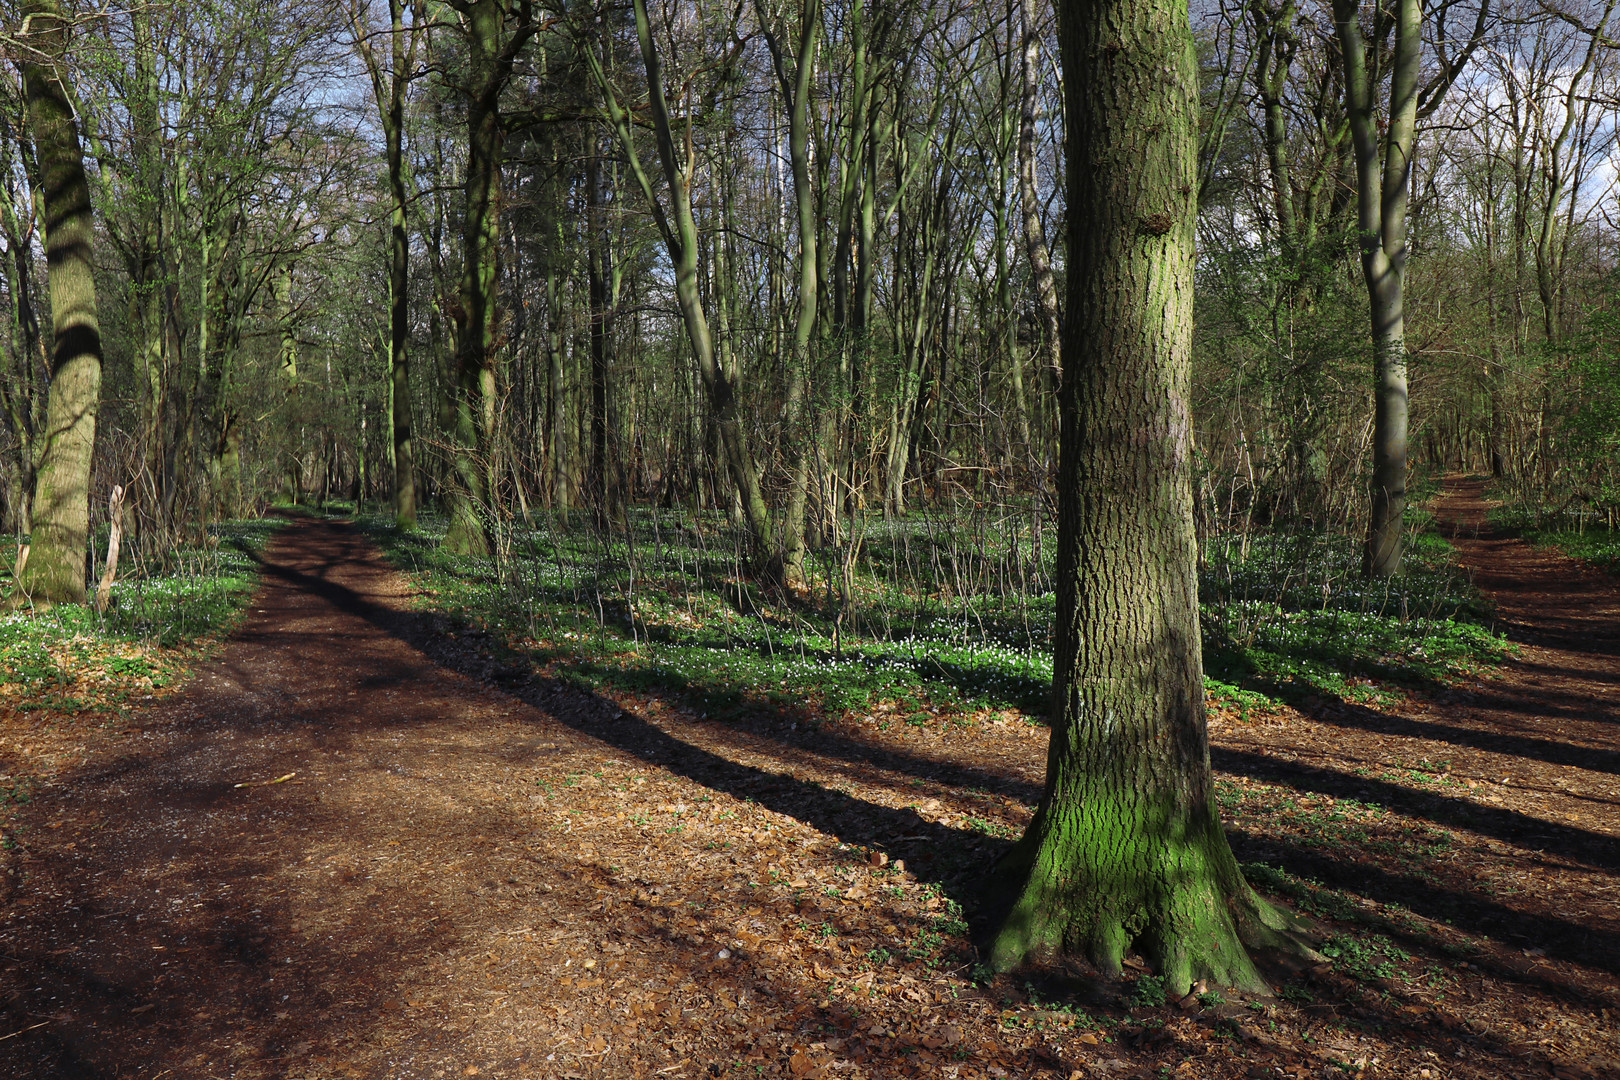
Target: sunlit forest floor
[{"x": 508, "y": 818}]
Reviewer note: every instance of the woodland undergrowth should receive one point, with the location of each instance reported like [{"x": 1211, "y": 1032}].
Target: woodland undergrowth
[
  {"x": 934, "y": 613},
  {"x": 71, "y": 664}
]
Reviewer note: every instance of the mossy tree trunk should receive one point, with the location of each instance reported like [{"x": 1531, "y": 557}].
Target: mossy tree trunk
[
  {"x": 494, "y": 32},
  {"x": 56, "y": 562},
  {"x": 388, "y": 86},
  {"x": 796, "y": 83},
  {"x": 1126, "y": 848}
]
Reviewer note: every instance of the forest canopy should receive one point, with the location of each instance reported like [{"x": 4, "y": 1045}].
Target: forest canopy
[{"x": 797, "y": 263}]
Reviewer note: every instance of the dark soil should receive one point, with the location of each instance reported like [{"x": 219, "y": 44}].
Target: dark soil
[{"x": 367, "y": 842}]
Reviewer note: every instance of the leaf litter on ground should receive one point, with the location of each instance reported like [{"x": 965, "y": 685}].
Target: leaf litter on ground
[{"x": 553, "y": 879}]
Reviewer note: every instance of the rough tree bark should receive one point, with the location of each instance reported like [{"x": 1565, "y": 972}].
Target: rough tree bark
[
  {"x": 492, "y": 50},
  {"x": 1126, "y": 848},
  {"x": 56, "y": 565}
]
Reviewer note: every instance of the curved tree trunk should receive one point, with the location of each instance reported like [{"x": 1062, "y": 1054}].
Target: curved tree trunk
[
  {"x": 1381, "y": 200},
  {"x": 679, "y": 229},
  {"x": 1126, "y": 849},
  {"x": 56, "y": 563},
  {"x": 492, "y": 49},
  {"x": 475, "y": 333},
  {"x": 796, "y": 89}
]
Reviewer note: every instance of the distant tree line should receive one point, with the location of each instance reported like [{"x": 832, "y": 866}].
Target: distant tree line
[{"x": 791, "y": 262}]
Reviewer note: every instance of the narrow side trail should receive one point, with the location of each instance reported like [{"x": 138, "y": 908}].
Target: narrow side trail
[
  {"x": 366, "y": 842},
  {"x": 1542, "y": 732},
  {"x": 1516, "y": 778}
]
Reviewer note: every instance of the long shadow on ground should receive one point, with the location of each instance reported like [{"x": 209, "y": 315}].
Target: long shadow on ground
[
  {"x": 964, "y": 854},
  {"x": 1579, "y": 846},
  {"x": 1525, "y": 746},
  {"x": 960, "y": 856}
]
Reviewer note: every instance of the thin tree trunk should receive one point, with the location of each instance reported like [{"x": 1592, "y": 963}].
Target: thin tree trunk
[
  {"x": 603, "y": 490},
  {"x": 1006, "y": 316},
  {"x": 680, "y": 233},
  {"x": 796, "y": 91},
  {"x": 557, "y": 444},
  {"x": 399, "y": 270},
  {"x": 1381, "y": 195},
  {"x": 492, "y": 50},
  {"x": 19, "y": 385},
  {"x": 1040, "y": 256}
]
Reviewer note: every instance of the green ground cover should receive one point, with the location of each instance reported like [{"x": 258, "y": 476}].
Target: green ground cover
[
  {"x": 71, "y": 658},
  {"x": 1578, "y": 530},
  {"x": 1598, "y": 546},
  {"x": 928, "y": 618}
]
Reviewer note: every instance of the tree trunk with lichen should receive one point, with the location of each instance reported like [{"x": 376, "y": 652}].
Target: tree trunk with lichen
[
  {"x": 494, "y": 33},
  {"x": 56, "y": 566},
  {"x": 1126, "y": 850}
]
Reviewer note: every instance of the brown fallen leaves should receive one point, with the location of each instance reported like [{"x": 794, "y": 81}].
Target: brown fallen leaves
[{"x": 469, "y": 883}]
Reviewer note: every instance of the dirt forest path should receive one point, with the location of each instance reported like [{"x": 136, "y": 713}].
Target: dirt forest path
[
  {"x": 468, "y": 868},
  {"x": 1519, "y": 770}
]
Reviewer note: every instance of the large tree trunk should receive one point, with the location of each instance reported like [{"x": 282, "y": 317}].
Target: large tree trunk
[
  {"x": 56, "y": 562},
  {"x": 1126, "y": 848}
]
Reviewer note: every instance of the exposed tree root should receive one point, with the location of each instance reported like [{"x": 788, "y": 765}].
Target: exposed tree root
[{"x": 1180, "y": 902}]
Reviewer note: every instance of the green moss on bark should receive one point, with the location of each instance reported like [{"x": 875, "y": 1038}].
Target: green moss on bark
[
  {"x": 1103, "y": 875},
  {"x": 1126, "y": 849},
  {"x": 56, "y": 569}
]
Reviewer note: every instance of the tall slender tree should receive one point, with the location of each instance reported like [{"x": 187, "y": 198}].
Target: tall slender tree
[
  {"x": 494, "y": 32},
  {"x": 389, "y": 86},
  {"x": 1040, "y": 258},
  {"x": 796, "y": 81},
  {"x": 1383, "y": 187},
  {"x": 679, "y": 229}
]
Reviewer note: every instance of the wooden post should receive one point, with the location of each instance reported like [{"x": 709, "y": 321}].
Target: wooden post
[{"x": 115, "y": 535}]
